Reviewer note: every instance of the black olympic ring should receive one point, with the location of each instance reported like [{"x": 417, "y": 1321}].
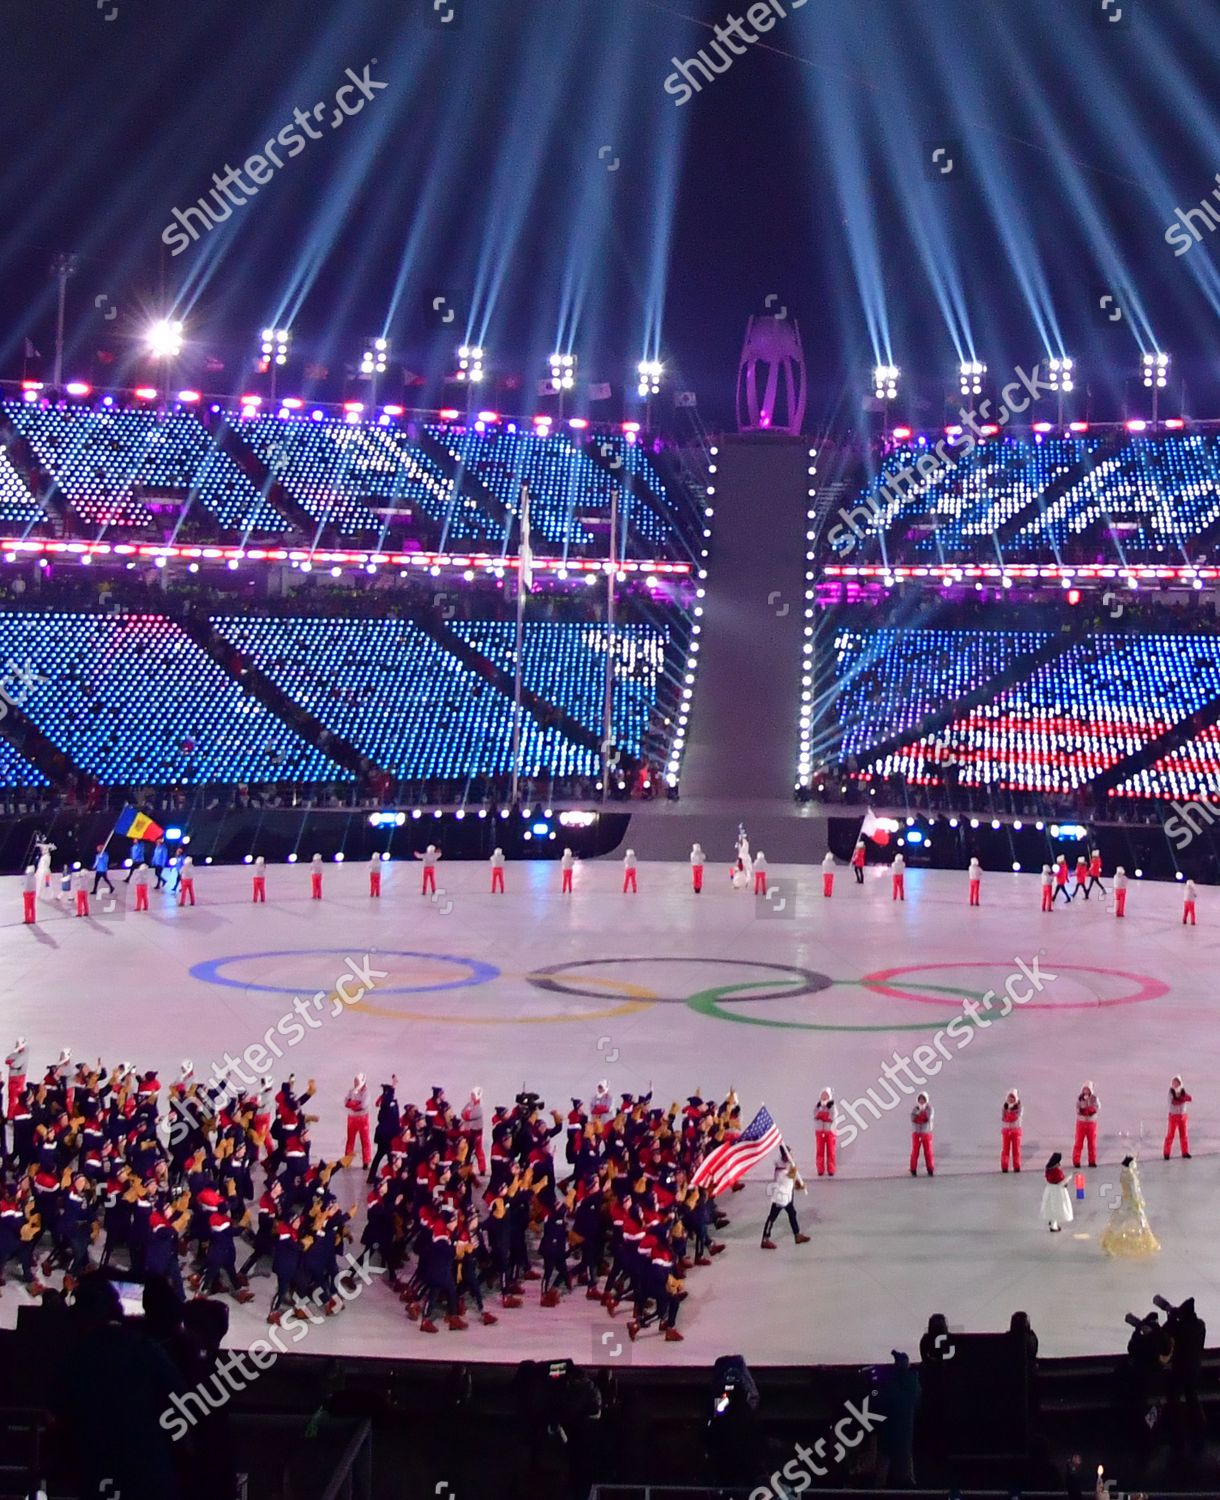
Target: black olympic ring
[{"x": 811, "y": 982}]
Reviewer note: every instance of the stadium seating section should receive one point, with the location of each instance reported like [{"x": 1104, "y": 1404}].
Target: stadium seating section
[
  {"x": 342, "y": 474},
  {"x": 565, "y": 664},
  {"x": 567, "y": 487},
  {"x": 1125, "y": 498},
  {"x": 16, "y": 773},
  {"x": 1189, "y": 773},
  {"x": 111, "y": 464},
  {"x": 133, "y": 700},
  {"x": 1053, "y": 730},
  {"x": 418, "y": 710},
  {"x": 17, "y": 506}
]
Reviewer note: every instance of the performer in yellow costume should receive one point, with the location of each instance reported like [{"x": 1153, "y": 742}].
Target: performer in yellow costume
[{"x": 1128, "y": 1232}]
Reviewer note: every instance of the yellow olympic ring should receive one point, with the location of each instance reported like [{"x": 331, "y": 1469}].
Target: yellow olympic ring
[{"x": 641, "y": 999}]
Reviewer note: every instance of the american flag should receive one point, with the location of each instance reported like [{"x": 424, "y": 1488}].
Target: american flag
[{"x": 727, "y": 1164}]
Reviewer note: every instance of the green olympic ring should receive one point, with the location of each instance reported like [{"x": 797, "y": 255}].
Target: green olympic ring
[{"x": 707, "y": 1003}]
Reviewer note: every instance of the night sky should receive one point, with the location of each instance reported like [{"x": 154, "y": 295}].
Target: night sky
[{"x": 526, "y": 164}]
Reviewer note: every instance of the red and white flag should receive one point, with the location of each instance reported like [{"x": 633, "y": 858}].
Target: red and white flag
[{"x": 874, "y": 828}]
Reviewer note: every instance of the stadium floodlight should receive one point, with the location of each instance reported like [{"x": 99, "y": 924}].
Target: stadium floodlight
[
  {"x": 885, "y": 382},
  {"x": 164, "y": 339},
  {"x": 1156, "y": 371},
  {"x": 275, "y": 346},
  {"x": 649, "y": 372},
  {"x": 376, "y": 354},
  {"x": 470, "y": 363},
  {"x": 971, "y": 372},
  {"x": 563, "y": 371},
  {"x": 1061, "y": 374}
]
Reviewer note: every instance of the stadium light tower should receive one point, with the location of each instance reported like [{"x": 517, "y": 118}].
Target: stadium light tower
[
  {"x": 563, "y": 375},
  {"x": 648, "y": 384},
  {"x": 1061, "y": 377},
  {"x": 971, "y": 373},
  {"x": 164, "y": 344},
  {"x": 470, "y": 363},
  {"x": 885, "y": 382},
  {"x": 1156, "y": 377},
  {"x": 373, "y": 364},
  {"x": 274, "y": 348}
]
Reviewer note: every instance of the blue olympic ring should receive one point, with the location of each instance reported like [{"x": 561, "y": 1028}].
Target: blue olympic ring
[{"x": 209, "y": 971}]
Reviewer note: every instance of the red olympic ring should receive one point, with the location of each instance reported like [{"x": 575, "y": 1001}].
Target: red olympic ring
[{"x": 1147, "y": 988}]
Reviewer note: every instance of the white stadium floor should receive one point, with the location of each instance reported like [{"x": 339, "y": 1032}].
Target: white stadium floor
[{"x": 670, "y": 990}]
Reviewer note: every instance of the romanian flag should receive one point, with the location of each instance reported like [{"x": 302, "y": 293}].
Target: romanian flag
[{"x": 136, "y": 825}]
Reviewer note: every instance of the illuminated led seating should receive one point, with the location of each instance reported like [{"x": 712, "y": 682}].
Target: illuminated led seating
[
  {"x": 1189, "y": 773},
  {"x": 132, "y": 699},
  {"x": 341, "y": 473},
  {"x": 1073, "y": 718},
  {"x": 889, "y": 680},
  {"x": 400, "y": 698},
  {"x": 111, "y": 464},
  {"x": 565, "y": 664}
]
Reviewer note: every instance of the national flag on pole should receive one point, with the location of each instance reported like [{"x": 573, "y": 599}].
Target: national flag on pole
[
  {"x": 728, "y": 1163},
  {"x": 527, "y": 552},
  {"x": 137, "y": 825},
  {"x": 874, "y": 829}
]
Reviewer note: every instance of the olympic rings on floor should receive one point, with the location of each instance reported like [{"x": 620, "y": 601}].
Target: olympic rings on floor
[
  {"x": 707, "y": 1003},
  {"x": 1146, "y": 988},
  {"x": 810, "y": 982},
  {"x": 210, "y": 970}
]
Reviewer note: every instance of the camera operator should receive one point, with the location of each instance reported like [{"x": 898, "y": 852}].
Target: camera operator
[{"x": 1189, "y": 1334}]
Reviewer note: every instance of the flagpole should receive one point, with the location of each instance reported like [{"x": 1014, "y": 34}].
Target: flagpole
[
  {"x": 520, "y": 639},
  {"x": 608, "y": 692}
]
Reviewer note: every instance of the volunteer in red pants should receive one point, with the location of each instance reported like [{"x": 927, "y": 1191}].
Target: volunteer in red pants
[
  {"x": 1087, "y": 1106},
  {"x": 1010, "y": 1132},
  {"x": 186, "y": 881},
  {"x": 29, "y": 895},
  {"x": 760, "y": 874},
  {"x": 15, "y": 1062},
  {"x": 1120, "y": 892},
  {"x": 898, "y": 872},
  {"x": 697, "y": 859},
  {"x": 141, "y": 878},
  {"x": 629, "y": 867},
  {"x": 828, "y": 874},
  {"x": 826, "y": 1139},
  {"x": 375, "y": 875},
  {"x": 472, "y": 1129},
  {"x": 1188, "y": 905},
  {"x": 1048, "y": 889},
  {"x": 430, "y": 856},
  {"x": 1061, "y": 880},
  {"x": 81, "y": 881},
  {"x": 497, "y": 871},
  {"x": 975, "y": 876},
  {"x": 1178, "y": 1100},
  {"x": 315, "y": 878},
  {"x": 566, "y": 863},
  {"x": 357, "y": 1106},
  {"x": 259, "y": 889},
  {"x": 922, "y": 1116}
]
